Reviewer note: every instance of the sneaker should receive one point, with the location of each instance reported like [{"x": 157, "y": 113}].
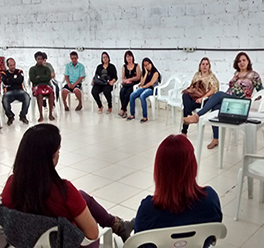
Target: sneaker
[
  {"x": 123, "y": 228},
  {"x": 10, "y": 120},
  {"x": 23, "y": 119}
]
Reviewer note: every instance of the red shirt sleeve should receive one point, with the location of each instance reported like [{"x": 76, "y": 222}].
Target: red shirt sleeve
[
  {"x": 75, "y": 201},
  {"x": 6, "y": 193}
]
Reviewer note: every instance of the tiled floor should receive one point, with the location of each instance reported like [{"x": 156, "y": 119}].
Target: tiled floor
[{"x": 112, "y": 159}]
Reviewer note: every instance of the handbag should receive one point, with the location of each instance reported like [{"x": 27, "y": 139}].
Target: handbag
[
  {"x": 196, "y": 90},
  {"x": 100, "y": 81}
]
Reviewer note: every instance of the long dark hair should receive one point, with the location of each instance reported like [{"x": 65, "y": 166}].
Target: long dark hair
[
  {"x": 34, "y": 171},
  {"x": 153, "y": 68}
]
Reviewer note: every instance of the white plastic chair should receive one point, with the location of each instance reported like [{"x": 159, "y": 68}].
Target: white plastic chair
[
  {"x": 163, "y": 89},
  {"x": 192, "y": 236},
  {"x": 106, "y": 233},
  {"x": 115, "y": 94},
  {"x": 175, "y": 99},
  {"x": 257, "y": 105},
  {"x": 257, "y": 101},
  {"x": 151, "y": 98},
  {"x": 34, "y": 100},
  {"x": 69, "y": 95},
  {"x": 250, "y": 169},
  {"x": 1, "y": 107}
]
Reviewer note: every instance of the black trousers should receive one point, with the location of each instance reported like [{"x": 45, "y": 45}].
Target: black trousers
[
  {"x": 124, "y": 97},
  {"x": 106, "y": 89}
]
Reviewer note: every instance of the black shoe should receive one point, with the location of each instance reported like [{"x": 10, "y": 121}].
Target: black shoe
[
  {"x": 23, "y": 119},
  {"x": 123, "y": 228},
  {"x": 10, "y": 120}
]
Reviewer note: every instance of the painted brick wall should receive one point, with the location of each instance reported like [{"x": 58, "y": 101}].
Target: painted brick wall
[{"x": 142, "y": 24}]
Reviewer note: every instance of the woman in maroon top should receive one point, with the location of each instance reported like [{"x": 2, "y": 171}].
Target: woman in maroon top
[{"x": 35, "y": 186}]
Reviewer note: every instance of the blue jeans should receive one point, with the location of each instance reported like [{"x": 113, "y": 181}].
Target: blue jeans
[
  {"x": 214, "y": 103},
  {"x": 19, "y": 95},
  {"x": 142, "y": 94}
]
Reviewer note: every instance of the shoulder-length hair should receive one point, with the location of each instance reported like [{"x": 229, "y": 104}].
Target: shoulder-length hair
[
  {"x": 106, "y": 55},
  {"x": 175, "y": 171},
  {"x": 130, "y": 54},
  {"x": 236, "y": 61},
  {"x": 204, "y": 59},
  {"x": 34, "y": 171}
]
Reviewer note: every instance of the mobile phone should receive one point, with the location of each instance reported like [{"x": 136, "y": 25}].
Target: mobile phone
[{"x": 254, "y": 121}]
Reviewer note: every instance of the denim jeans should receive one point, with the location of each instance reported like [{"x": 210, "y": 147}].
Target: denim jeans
[
  {"x": 19, "y": 95},
  {"x": 142, "y": 94},
  {"x": 214, "y": 103}
]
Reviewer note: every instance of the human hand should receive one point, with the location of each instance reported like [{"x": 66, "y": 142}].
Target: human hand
[
  {"x": 111, "y": 83},
  {"x": 199, "y": 100}
]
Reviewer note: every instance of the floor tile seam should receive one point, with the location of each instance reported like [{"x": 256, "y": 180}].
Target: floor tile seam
[
  {"x": 119, "y": 181},
  {"x": 114, "y": 180}
]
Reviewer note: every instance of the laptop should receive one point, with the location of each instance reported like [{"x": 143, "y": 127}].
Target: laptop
[{"x": 233, "y": 111}]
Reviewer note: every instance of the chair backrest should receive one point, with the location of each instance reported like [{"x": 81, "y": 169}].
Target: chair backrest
[
  {"x": 175, "y": 95},
  {"x": 258, "y": 101},
  {"x": 24, "y": 230},
  {"x": 191, "y": 236}
]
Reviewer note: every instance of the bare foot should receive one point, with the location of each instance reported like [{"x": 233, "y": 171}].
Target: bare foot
[
  {"x": 51, "y": 118},
  {"x": 40, "y": 119},
  {"x": 191, "y": 119}
]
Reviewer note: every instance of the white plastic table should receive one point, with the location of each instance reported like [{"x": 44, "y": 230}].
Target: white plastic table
[{"x": 249, "y": 130}]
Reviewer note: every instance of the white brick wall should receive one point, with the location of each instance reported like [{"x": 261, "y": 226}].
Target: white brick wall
[{"x": 138, "y": 24}]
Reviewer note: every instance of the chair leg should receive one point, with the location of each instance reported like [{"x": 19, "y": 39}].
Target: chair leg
[
  {"x": 239, "y": 191},
  {"x": 153, "y": 110},
  {"x": 250, "y": 188},
  {"x": 261, "y": 192},
  {"x": 168, "y": 110},
  {"x": 181, "y": 122},
  {"x": 108, "y": 239}
]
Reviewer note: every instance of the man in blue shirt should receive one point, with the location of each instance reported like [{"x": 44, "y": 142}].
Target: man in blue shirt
[{"x": 74, "y": 74}]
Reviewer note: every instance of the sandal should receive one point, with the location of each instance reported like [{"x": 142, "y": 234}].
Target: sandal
[
  {"x": 124, "y": 115},
  {"x": 131, "y": 117},
  {"x": 78, "y": 108},
  {"x": 100, "y": 110},
  {"x": 213, "y": 144},
  {"x": 143, "y": 120}
]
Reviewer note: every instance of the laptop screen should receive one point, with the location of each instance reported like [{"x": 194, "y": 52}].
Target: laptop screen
[{"x": 233, "y": 107}]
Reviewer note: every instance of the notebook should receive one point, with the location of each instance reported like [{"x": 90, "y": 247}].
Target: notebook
[{"x": 233, "y": 111}]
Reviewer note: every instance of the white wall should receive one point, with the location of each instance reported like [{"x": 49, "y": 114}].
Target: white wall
[{"x": 136, "y": 24}]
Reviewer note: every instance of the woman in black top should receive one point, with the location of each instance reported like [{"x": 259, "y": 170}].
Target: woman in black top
[
  {"x": 149, "y": 79},
  {"x": 107, "y": 72},
  {"x": 130, "y": 77}
]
